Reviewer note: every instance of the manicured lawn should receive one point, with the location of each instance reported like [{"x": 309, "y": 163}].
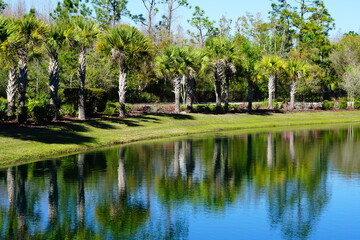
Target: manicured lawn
[{"x": 24, "y": 144}]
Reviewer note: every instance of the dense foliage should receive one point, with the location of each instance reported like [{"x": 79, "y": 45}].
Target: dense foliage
[{"x": 283, "y": 59}]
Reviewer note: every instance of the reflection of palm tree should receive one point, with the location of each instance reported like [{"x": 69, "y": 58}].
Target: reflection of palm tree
[
  {"x": 176, "y": 164},
  {"x": 81, "y": 191},
  {"x": 270, "y": 150},
  {"x": 118, "y": 215},
  {"x": 121, "y": 173},
  {"x": 11, "y": 187},
  {"x": 189, "y": 159},
  {"x": 292, "y": 146},
  {"x": 21, "y": 203},
  {"x": 53, "y": 193},
  {"x": 297, "y": 198}
]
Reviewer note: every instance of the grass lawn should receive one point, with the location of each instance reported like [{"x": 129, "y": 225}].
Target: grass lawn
[{"x": 19, "y": 144}]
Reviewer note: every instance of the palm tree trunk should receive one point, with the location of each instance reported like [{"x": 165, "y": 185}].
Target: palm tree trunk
[
  {"x": 177, "y": 89},
  {"x": 54, "y": 80},
  {"x": 82, "y": 76},
  {"x": 218, "y": 95},
  {"x": 250, "y": 96},
  {"x": 11, "y": 91},
  {"x": 292, "y": 93},
  {"x": 122, "y": 91},
  {"x": 190, "y": 86},
  {"x": 226, "y": 94},
  {"x": 23, "y": 82},
  {"x": 271, "y": 88}
]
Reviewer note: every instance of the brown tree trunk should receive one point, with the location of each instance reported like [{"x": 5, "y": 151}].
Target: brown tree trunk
[
  {"x": 23, "y": 82},
  {"x": 82, "y": 77},
  {"x": 54, "y": 80},
  {"x": 11, "y": 91},
  {"x": 122, "y": 91}
]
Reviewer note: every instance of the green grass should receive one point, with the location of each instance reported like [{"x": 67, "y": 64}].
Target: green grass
[{"x": 26, "y": 144}]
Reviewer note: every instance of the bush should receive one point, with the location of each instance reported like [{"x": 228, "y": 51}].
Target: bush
[
  {"x": 357, "y": 104},
  {"x": 327, "y": 105},
  {"x": 343, "y": 105},
  {"x": 39, "y": 109},
  {"x": 95, "y": 99},
  {"x": 68, "y": 109},
  {"x": 3, "y": 108},
  {"x": 111, "y": 108}
]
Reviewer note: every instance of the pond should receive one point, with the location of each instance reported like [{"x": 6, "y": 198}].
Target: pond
[{"x": 300, "y": 184}]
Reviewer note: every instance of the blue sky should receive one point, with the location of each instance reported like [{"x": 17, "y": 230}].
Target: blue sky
[{"x": 345, "y": 12}]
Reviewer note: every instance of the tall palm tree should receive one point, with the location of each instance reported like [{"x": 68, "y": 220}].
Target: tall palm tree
[
  {"x": 31, "y": 33},
  {"x": 81, "y": 35},
  {"x": 9, "y": 44},
  {"x": 271, "y": 65},
  {"x": 128, "y": 48},
  {"x": 170, "y": 66},
  {"x": 295, "y": 71},
  {"x": 222, "y": 55},
  {"x": 193, "y": 60},
  {"x": 55, "y": 40},
  {"x": 249, "y": 64},
  {"x": 180, "y": 63}
]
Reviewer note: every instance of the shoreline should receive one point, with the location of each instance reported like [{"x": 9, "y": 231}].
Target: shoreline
[{"x": 23, "y": 144}]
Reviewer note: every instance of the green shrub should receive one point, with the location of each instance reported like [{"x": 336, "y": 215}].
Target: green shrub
[
  {"x": 357, "y": 104},
  {"x": 39, "y": 109},
  {"x": 95, "y": 99},
  {"x": 343, "y": 105},
  {"x": 111, "y": 108},
  {"x": 68, "y": 109},
  {"x": 3, "y": 108},
  {"x": 327, "y": 105},
  {"x": 182, "y": 107}
]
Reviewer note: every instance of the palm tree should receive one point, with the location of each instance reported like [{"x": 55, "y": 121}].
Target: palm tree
[
  {"x": 81, "y": 35},
  {"x": 271, "y": 65},
  {"x": 31, "y": 33},
  {"x": 54, "y": 43},
  {"x": 9, "y": 45},
  {"x": 180, "y": 63},
  {"x": 171, "y": 66},
  {"x": 295, "y": 70},
  {"x": 128, "y": 48},
  {"x": 193, "y": 60},
  {"x": 249, "y": 64},
  {"x": 222, "y": 55}
]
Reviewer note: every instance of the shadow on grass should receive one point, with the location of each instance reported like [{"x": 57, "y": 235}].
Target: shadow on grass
[
  {"x": 264, "y": 112},
  {"x": 173, "y": 115},
  {"x": 69, "y": 132},
  {"x": 97, "y": 124},
  {"x": 46, "y": 135}
]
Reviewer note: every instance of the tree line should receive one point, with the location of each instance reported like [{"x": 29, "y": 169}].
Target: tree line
[{"x": 286, "y": 57}]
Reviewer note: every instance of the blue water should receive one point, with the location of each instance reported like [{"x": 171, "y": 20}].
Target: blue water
[{"x": 301, "y": 184}]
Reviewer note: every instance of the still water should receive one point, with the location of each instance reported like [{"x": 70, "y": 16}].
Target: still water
[{"x": 301, "y": 184}]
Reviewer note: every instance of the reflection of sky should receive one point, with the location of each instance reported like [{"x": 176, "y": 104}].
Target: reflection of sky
[{"x": 341, "y": 218}]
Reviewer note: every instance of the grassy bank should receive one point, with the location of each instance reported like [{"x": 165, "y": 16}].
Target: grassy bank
[{"x": 23, "y": 143}]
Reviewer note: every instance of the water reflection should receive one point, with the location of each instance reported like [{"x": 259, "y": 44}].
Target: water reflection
[{"x": 160, "y": 191}]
